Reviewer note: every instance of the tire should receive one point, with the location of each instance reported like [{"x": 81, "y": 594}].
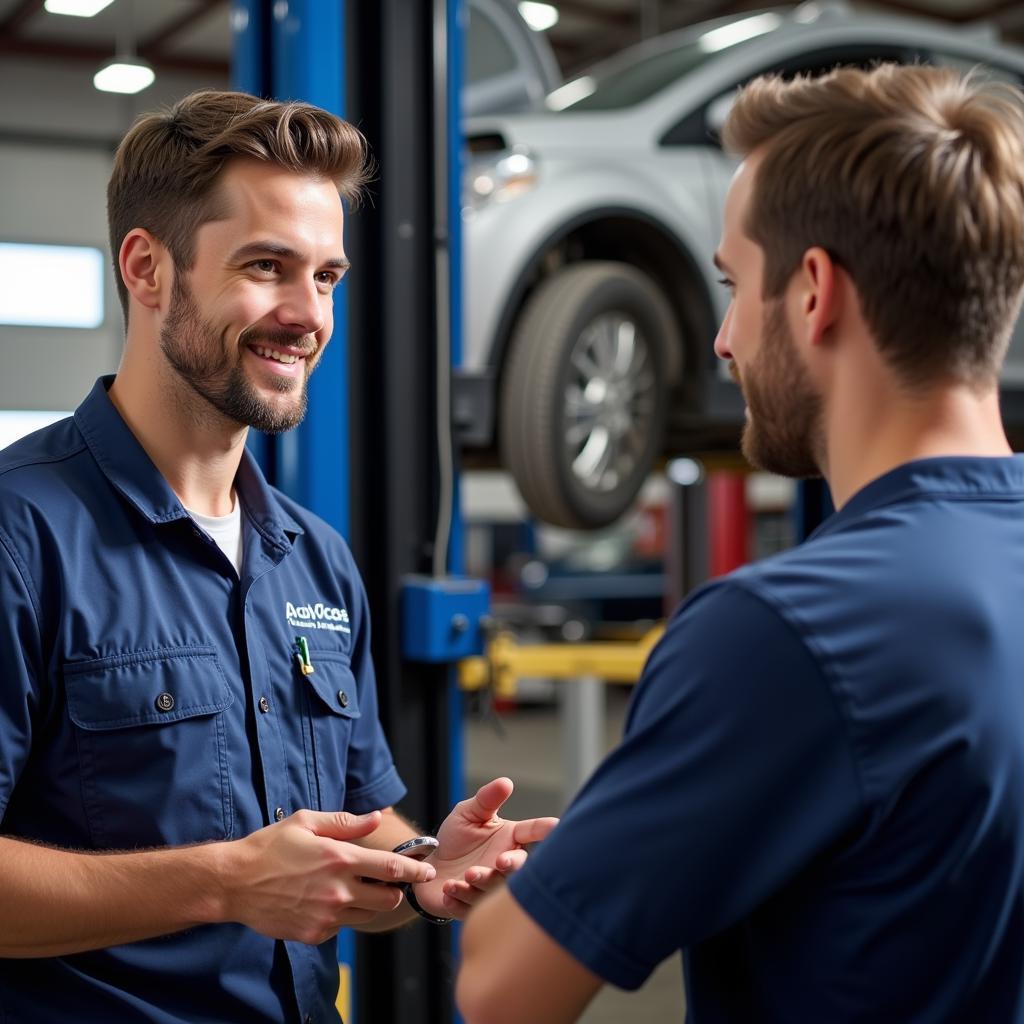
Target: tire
[{"x": 584, "y": 392}]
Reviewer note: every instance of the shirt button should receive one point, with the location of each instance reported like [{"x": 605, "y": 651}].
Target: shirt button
[
  {"x": 264, "y": 705},
  {"x": 343, "y": 698},
  {"x": 279, "y": 814},
  {"x": 165, "y": 702}
]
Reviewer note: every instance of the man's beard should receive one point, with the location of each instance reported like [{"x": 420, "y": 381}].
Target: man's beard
[
  {"x": 194, "y": 349},
  {"x": 784, "y": 430}
]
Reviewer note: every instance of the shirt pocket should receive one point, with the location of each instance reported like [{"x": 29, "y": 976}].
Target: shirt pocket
[
  {"x": 333, "y": 705},
  {"x": 152, "y": 746}
]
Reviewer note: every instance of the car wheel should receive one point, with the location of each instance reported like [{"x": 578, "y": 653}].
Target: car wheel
[{"x": 584, "y": 392}]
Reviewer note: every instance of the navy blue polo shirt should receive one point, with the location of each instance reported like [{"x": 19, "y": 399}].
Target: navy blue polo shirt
[
  {"x": 150, "y": 697},
  {"x": 820, "y": 792}
]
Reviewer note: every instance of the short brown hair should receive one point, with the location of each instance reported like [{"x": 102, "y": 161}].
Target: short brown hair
[
  {"x": 912, "y": 179},
  {"x": 167, "y": 166}
]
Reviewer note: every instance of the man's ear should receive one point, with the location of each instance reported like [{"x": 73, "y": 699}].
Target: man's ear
[
  {"x": 145, "y": 267},
  {"x": 819, "y": 295}
]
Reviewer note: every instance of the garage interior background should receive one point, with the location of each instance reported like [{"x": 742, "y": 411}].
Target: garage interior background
[
  {"x": 57, "y": 132},
  {"x": 57, "y": 136}
]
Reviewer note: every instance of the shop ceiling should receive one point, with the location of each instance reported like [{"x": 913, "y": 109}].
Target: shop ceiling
[{"x": 194, "y": 36}]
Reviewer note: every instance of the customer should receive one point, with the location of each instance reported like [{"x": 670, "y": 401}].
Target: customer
[{"x": 820, "y": 793}]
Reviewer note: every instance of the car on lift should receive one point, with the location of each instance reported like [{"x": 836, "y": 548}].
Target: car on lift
[{"x": 591, "y": 298}]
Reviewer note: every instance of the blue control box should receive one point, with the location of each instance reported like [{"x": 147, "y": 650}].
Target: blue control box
[{"x": 442, "y": 617}]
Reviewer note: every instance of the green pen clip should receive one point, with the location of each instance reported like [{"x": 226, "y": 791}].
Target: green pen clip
[{"x": 302, "y": 654}]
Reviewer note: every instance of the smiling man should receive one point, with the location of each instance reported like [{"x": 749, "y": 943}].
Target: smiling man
[
  {"x": 195, "y": 790},
  {"x": 819, "y": 797}
]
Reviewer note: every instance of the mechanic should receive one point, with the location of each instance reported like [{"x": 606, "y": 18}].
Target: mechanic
[
  {"x": 195, "y": 790},
  {"x": 819, "y": 797}
]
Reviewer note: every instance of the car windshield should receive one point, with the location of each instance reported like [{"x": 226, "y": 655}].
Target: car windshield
[{"x": 640, "y": 78}]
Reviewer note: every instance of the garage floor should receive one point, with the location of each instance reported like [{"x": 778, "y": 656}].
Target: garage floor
[{"x": 529, "y": 753}]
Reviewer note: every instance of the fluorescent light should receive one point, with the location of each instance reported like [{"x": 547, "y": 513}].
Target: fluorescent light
[
  {"x": 124, "y": 74},
  {"x": 685, "y": 472},
  {"x": 51, "y": 285},
  {"x": 540, "y": 17},
  {"x": 738, "y": 32},
  {"x": 77, "y": 8},
  {"x": 571, "y": 92}
]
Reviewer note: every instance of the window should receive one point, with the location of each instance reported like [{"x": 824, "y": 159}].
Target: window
[
  {"x": 51, "y": 285},
  {"x": 16, "y": 423},
  {"x": 700, "y": 127},
  {"x": 961, "y": 62}
]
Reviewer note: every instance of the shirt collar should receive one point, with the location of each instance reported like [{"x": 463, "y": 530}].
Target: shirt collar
[
  {"x": 949, "y": 476},
  {"x": 131, "y": 471}
]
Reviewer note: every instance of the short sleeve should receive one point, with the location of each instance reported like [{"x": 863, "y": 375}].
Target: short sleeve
[
  {"x": 20, "y": 668},
  {"x": 372, "y": 781},
  {"x": 733, "y": 775}
]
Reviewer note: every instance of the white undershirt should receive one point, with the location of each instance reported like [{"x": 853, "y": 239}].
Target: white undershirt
[{"x": 225, "y": 531}]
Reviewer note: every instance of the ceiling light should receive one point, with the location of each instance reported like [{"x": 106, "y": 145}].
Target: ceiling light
[
  {"x": 124, "y": 74},
  {"x": 738, "y": 31},
  {"x": 540, "y": 17},
  {"x": 77, "y": 8},
  {"x": 570, "y": 93}
]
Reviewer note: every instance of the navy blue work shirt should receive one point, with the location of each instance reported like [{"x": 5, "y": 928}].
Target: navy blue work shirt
[
  {"x": 820, "y": 792},
  {"x": 150, "y": 697}
]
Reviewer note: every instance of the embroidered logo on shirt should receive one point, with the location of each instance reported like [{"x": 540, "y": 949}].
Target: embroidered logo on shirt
[{"x": 317, "y": 616}]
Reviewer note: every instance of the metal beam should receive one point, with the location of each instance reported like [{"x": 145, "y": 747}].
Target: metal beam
[
  {"x": 18, "y": 16},
  {"x": 152, "y": 47},
  {"x": 985, "y": 12},
  {"x": 603, "y": 16},
  {"x": 96, "y": 54}
]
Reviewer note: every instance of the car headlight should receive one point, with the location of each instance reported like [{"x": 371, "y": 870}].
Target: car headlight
[{"x": 499, "y": 178}]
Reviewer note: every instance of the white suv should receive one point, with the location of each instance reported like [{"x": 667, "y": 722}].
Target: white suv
[{"x": 591, "y": 299}]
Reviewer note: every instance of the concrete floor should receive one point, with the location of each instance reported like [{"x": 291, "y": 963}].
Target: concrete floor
[{"x": 527, "y": 745}]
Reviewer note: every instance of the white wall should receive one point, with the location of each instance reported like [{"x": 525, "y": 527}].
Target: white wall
[{"x": 56, "y": 193}]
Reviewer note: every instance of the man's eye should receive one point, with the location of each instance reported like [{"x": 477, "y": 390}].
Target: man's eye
[
  {"x": 264, "y": 266},
  {"x": 327, "y": 278},
  {"x": 725, "y": 281}
]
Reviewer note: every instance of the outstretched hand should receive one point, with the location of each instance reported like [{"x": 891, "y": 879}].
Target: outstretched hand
[{"x": 476, "y": 850}]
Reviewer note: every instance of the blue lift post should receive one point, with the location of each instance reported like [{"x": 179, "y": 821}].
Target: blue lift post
[
  {"x": 307, "y": 48},
  {"x": 296, "y": 51},
  {"x": 385, "y": 437},
  {"x": 250, "y": 72}
]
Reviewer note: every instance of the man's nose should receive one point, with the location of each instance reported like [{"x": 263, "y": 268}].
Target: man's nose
[
  {"x": 722, "y": 347},
  {"x": 302, "y": 307}
]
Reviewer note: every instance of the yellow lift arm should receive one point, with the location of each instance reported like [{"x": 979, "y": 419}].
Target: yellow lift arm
[{"x": 506, "y": 660}]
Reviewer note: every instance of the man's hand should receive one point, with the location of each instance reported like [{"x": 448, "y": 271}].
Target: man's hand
[
  {"x": 477, "y": 849},
  {"x": 303, "y": 878}
]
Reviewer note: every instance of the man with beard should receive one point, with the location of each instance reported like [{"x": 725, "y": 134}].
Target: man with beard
[
  {"x": 819, "y": 797},
  {"x": 195, "y": 790}
]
